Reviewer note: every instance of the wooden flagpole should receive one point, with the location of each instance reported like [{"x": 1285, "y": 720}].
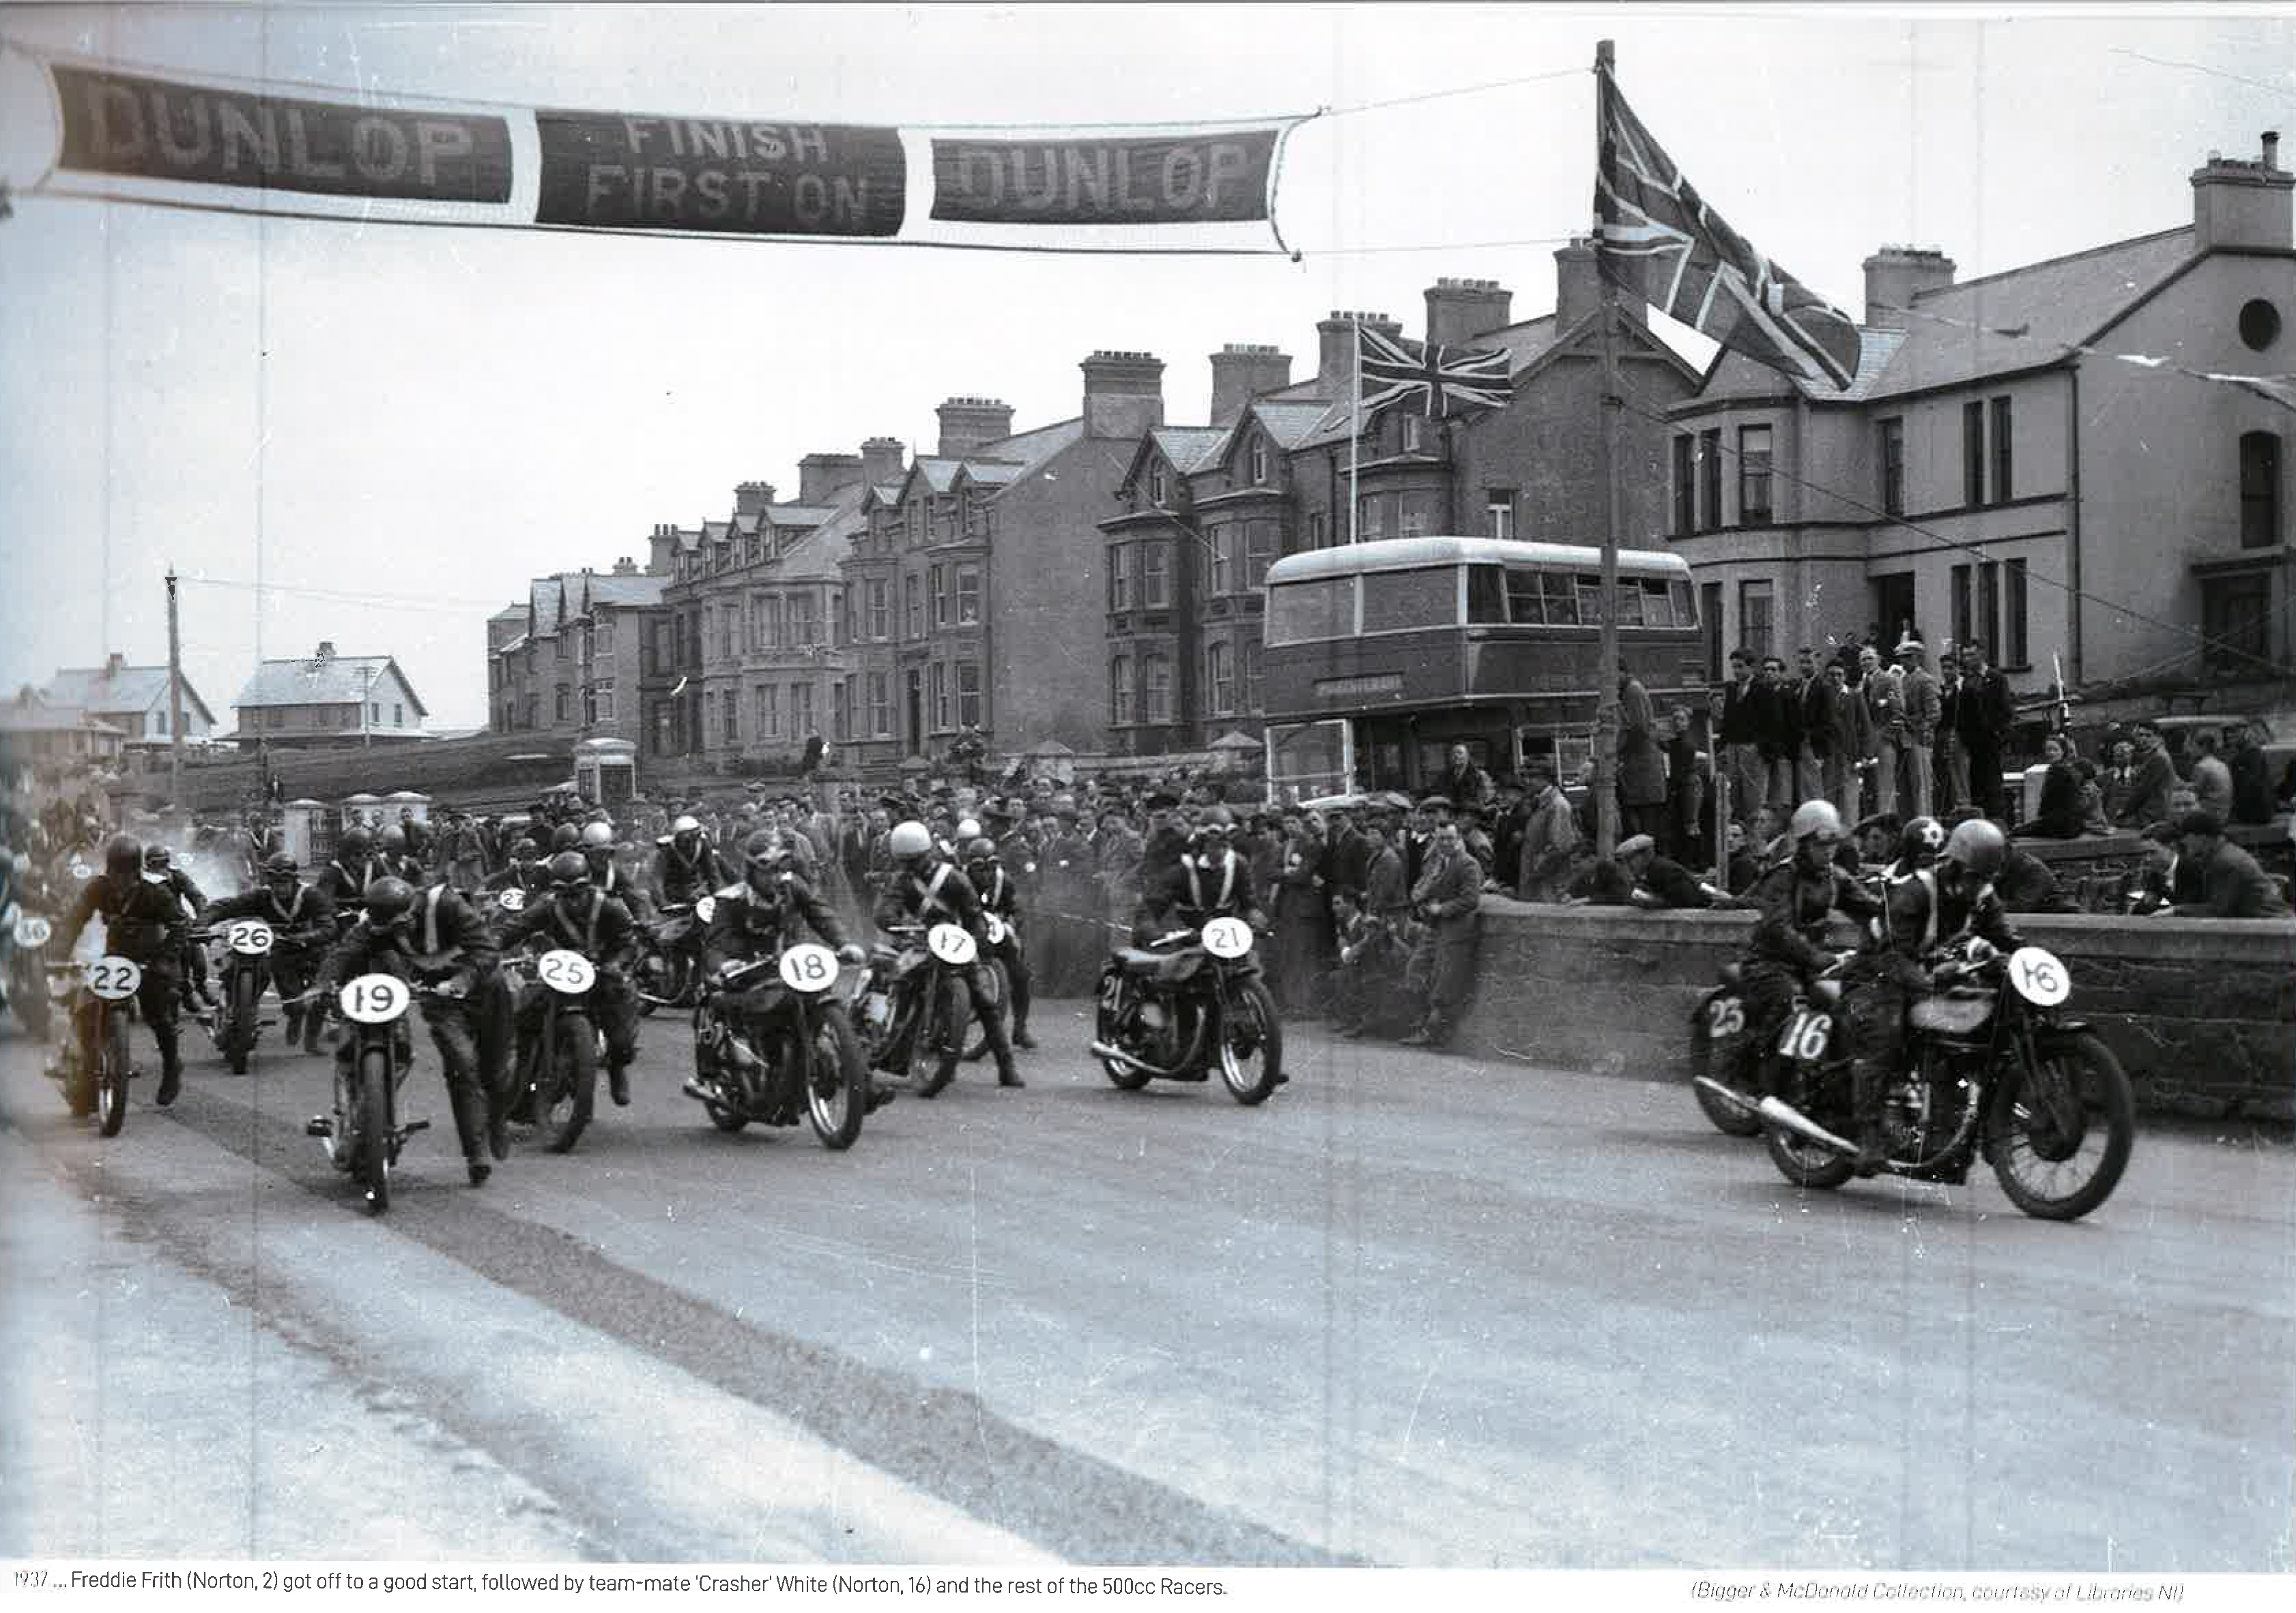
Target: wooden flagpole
[
  {"x": 1606, "y": 654},
  {"x": 1355, "y": 429}
]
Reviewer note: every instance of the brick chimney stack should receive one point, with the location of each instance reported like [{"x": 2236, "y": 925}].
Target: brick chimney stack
[
  {"x": 752, "y": 497},
  {"x": 967, "y": 423},
  {"x": 1336, "y": 349},
  {"x": 1243, "y": 370},
  {"x": 2238, "y": 203},
  {"x": 661, "y": 549},
  {"x": 1123, "y": 393},
  {"x": 882, "y": 460},
  {"x": 1460, "y": 310},
  {"x": 1895, "y": 276},
  {"x": 822, "y": 476}
]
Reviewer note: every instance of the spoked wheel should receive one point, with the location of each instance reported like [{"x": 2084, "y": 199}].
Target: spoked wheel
[
  {"x": 2061, "y": 1137},
  {"x": 940, "y": 1038},
  {"x": 239, "y": 1037},
  {"x": 1805, "y": 1163},
  {"x": 837, "y": 1086},
  {"x": 562, "y": 1107},
  {"x": 1719, "y": 1062},
  {"x": 111, "y": 1075},
  {"x": 1252, "y": 1045},
  {"x": 371, "y": 1152},
  {"x": 999, "y": 993},
  {"x": 1120, "y": 1075}
]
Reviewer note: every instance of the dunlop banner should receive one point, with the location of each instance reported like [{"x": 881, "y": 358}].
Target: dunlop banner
[
  {"x": 1200, "y": 176},
  {"x": 609, "y": 169},
  {"x": 153, "y": 129}
]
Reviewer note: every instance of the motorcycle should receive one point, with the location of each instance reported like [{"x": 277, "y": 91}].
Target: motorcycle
[
  {"x": 814, "y": 1061},
  {"x": 1992, "y": 1071},
  {"x": 558, "y": 1072},
  {"x": 240, "y": 984},
  {"x": 910, "y": 1001},
  {"x": 1186, "y": 1001},
  {"x": 1720, "y": 1057},
  {"x": 669, "y": 970},
  {"x": 28, "y": 973},
  {"x": 100, "y": 1091},
  {"x": 364, "y": 1136}
]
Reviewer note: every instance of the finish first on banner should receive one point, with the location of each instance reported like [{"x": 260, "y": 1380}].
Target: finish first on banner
[{"x": 98, "y": 130}]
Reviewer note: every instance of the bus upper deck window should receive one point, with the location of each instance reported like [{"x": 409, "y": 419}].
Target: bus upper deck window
[
  {"x": 1561, "y": 592},
  {"x": 1487, "y": 595},
  {"x": 1685, "y": 604},
  {"x": 1523, "y": 597},
  {"x": 1424, "y": 596},
  {"x": 1657, "y": 611}
]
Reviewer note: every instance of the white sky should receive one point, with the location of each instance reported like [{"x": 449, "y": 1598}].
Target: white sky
[{"x": 437, "y": 416}]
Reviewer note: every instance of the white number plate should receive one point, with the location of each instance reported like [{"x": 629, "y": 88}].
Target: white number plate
[
  {"x": 705, "y": 909},
  {"x": 806, "y": 967},
  {"x": 1228, "y": 938},
  {"x": 1806, "y": 1036},
  {"x": 81, "y": 871},
  {"x": 32, "y": 930},
  {"x": 952, "y": 944},
  {"x": 510, "y": 899},
  {"x": 567, "y": 971},
  {"x": 996, "y": 926},
  {"x": 2038, "y": 978},
  {"x": 1725, "y": 1017},
  {"x": 114, "y": 978},
  {"x": 251, "y": 937},
  {"x": 374, "y": 999}
]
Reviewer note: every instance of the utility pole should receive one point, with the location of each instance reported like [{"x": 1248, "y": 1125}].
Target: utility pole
[
  {"x": 1606, "y": 654},
  {"x": 175, "y": 698}
]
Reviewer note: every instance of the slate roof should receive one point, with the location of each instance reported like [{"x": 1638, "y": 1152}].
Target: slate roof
[
  {"x": 800, "y": 515},
  {"x": 2015, "y": 320},
  {"x": 1190, "y": 448},
  {"x": 315, "y": 681},
  {"x": 37, "y": 716},
  {"x": 129, "y": 689}
]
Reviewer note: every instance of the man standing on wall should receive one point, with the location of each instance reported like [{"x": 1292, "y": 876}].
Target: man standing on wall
[
  {"x": 1742, "y": 703},
  {"x": 1986, "y": 712},
  {"x": 1815, "y": 764},
  {"x": 1918, "y": 686}
]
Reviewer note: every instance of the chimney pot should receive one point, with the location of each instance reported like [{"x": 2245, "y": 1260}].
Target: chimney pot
[{"x": 2272, "y": 148}]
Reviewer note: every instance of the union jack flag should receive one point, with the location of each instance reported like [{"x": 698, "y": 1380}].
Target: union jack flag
[
  {"x": 1438, "y": 381},
  {"x": 1655, "y": 236}
]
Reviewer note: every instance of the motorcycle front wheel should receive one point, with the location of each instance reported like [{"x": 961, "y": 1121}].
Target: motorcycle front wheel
[
  {"x": 29, "y": 996},
  {"x": 570, "y": 1084},
  {"x": 111, "y": 1079},
  {"x": 370, "y": 1159},
  {"x": 239, "y": 1035},
  {"x": 941, "y": 1035},
  {"x": 2061, "y": 1137},
  {"x": 837, "y": 1086},
  {"x": 1251, "y": 1045}
]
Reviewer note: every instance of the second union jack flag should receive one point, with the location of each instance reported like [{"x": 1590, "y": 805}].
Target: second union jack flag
[
  {"x": 1433, "y": 380},
  {"x": 1655, "y": 236}
]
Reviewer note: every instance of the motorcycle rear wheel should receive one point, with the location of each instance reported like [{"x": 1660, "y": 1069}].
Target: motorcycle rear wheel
[
  {"x": 1729, "y": 1121},
  {"x": 1120, "y": 1075},
  {"x": 370, "y": 1160},
  {"x": 2041, "y": 1139},
  {"x": 562, "y": 1107},
  {"x": 1252, "y": 1075},
  {"x": 111, "y": 1079},
  {"x": 837, "y": 1086},
  {"x": 1804, "y": 1163}
]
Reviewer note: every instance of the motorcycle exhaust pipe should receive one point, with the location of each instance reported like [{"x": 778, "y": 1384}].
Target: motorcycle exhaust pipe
[
  {"x": 1779, "y": 1112},
  {"x": 1102, "y": 1050},
  {"x": 1728, "y": 1096}
]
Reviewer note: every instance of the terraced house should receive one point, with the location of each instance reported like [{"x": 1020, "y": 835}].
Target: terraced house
[
  {"x": 1202, "y": 511},
  {"x": 567, "y": 662},
  {"x": 970, "y": 581}
]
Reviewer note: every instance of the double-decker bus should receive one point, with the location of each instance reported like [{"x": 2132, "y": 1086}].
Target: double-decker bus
[{"x": 1378, "y": 657}]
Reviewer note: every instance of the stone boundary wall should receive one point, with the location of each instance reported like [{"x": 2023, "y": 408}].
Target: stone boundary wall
[{"x": 2202, "y": 1012}]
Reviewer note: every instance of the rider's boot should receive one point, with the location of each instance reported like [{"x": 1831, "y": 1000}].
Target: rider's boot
[
  {"x": 171, "y": 1078},
  {"x": 313, "y": 1023},
  {"x": 1008, "y": 1074},
  {"x": 618, "y": 1083}
]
